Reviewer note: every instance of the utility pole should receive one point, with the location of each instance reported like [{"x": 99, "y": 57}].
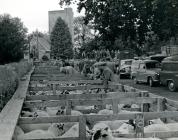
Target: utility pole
[{"x": 37, "y": 44}]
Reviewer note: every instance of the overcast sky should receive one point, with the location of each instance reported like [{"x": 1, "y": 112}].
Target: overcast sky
[{"x": 33, "y": 13}]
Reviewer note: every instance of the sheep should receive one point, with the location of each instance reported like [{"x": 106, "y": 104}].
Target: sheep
[
  {"x": 126, "y": 127},
  {"x": 53, "y": 111},
  {"x": 30, "y": 127},
  {"x": 41, "y": 113},
  {"x": 155, "y": 121},
  {"x": 73, "y": 132},
  {"x": 115, "y": 124},
  {"x": 68, "y": 70},
  {"x": 156, "y": 128},
  {"x": 53, "y": 131},
  {"x": 83, "y": 107},
  {"x": 105, "y": 112},
  {"x": 27, "y": 114},
  {"x": 172, "y": 126},
  {"x": 105, "y": 134},
  {"x": 100, "y": 125}
]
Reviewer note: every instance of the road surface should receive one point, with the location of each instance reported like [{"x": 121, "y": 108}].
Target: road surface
[{"x": 158, "y": 90}]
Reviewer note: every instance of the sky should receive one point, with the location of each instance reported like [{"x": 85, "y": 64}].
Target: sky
[{"x": 33, "y": 13}]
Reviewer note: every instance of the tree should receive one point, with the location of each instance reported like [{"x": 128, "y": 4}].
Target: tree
[
  {"x": 13, "y": 39},
  {"x": 61, "y": 40},
  {"x": 130, "y": 20},
  {"x": 82, "y": 33}
]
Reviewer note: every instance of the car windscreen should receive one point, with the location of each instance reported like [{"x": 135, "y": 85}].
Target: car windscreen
[
  {"x": 152, "y": 65},
  {"x": 128, "y": 62}
]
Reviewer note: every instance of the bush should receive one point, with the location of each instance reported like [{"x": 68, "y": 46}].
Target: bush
[
  {"x": 9, "y": 79},
  {"x": 45, "y": 58}
]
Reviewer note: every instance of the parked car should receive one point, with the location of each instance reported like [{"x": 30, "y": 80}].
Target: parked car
[
  {"x": 169, "y": 73},
  {"x": 148, "y": 72},
  {"x": 126, "y": 62},
  {"x": 125, "y": 72},
  {"x": 125, "y": 68}
]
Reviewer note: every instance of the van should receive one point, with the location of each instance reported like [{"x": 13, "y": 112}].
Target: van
[
  {"x": 169, "y": 73},
  {"x": 148, "y": 72}
]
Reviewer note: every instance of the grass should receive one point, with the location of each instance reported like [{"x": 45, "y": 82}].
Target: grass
[{"x": 10, "y": 75}]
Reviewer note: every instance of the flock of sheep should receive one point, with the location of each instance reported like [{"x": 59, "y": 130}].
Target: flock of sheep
[{"x": 103, "y": 130}]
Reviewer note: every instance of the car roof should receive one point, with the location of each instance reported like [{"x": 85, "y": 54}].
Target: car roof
[
  {"x": 171, "y": 58},
  {"x": 127, "y": 59},
  {"x": 148, "y": 61}
]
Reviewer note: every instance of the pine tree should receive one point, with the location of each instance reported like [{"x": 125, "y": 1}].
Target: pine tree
[{"x": 61, "y": 41}]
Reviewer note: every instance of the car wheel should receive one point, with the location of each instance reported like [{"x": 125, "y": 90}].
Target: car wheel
[
  {"x": 150, "y": 82},
  {"x": 135, "y": 80},
  {"x": 171, "y": 86}
]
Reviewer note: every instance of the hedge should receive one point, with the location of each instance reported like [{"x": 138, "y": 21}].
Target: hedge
[{"x": 10, "y": 75}]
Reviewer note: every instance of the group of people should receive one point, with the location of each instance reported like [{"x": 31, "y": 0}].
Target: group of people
[
  {"x": 100, "y": 71},
  {"x": 104, "y": 71},
  {"x": 101, "y": 54}
]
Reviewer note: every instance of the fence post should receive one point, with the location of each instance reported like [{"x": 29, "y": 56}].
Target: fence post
[
  {"x": 54, "y": 88},
  {"x": 82, "y": 127},
  {"x": 115, "y": 106},
  {"x": 139, "y": 121},
  {"x": 161, "y": 106},
  {"x": 144, "y": 107},
  {"x": 69, "y": 106}
]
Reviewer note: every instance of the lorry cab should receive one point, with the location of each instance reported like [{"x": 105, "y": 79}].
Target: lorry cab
[{"x": 169, "y": 73}]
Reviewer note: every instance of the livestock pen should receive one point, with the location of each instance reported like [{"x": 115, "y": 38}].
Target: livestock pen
[{"x": 119, "y": 94}]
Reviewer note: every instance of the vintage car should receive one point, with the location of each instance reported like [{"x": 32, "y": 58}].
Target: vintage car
[
  {"x": 125, "y": 68},
  {"x": 125, "y": 72},
  {"x": 169, "y": 73},
  {"x": 148, "y": 72}
]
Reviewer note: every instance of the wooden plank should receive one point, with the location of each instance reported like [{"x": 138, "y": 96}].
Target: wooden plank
[
  {"x": 68, "y": 118},
  {"x": 171, "y": 108},
  {"x": 68, "y": 138},
  {"x": 83, "y": 96},
  {"x": 77, "y": 82},
  {"x": 84, "y": 102},
  {"x": 57, "y": 77},
  {"x": 10, "y": 114},
  {"x": 68, "y": 82},
  {"x": 172, "y": 103},
  {"x": 155, "y": 115},
  {"x": 82, "y": 128},
  {"x": 47, "y": 88},
  {"x": 40, "y": 104},
  {"x": 56, "y": 119},
  {"x": 161, "y": 135}
]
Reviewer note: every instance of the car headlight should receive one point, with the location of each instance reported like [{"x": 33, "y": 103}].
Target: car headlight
[{"x": 156, "y": 76}]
